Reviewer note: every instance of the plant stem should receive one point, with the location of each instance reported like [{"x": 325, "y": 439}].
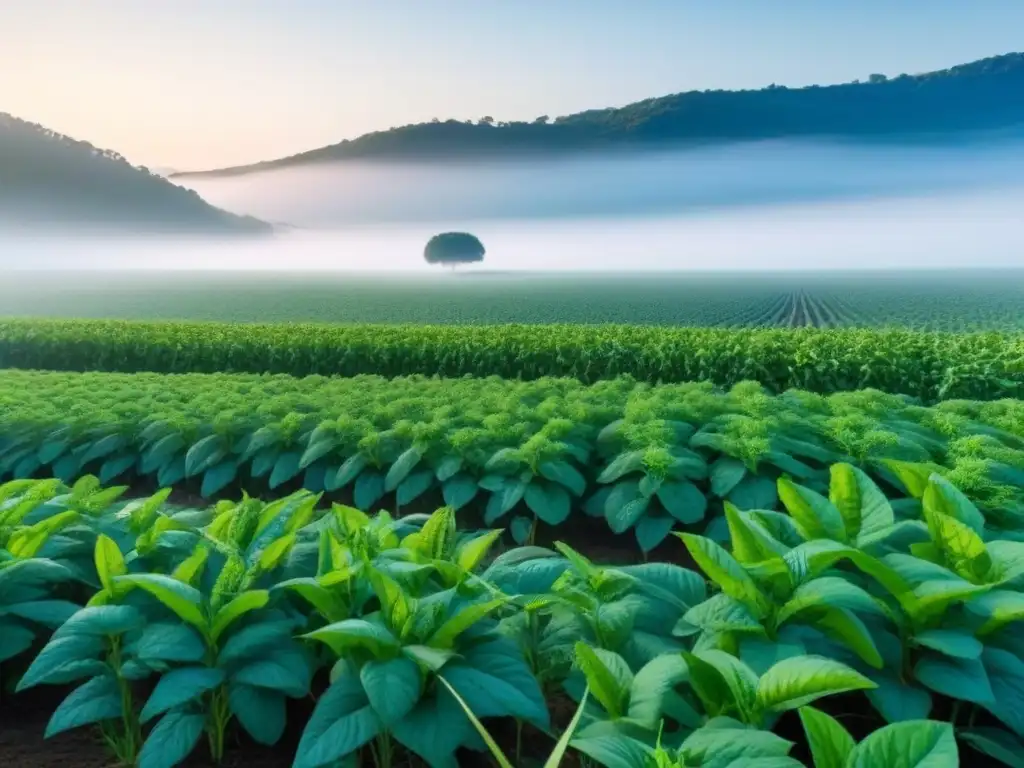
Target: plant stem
[
  {"x": 519, "y": 741},
  {"x": 956, "y": 711}
]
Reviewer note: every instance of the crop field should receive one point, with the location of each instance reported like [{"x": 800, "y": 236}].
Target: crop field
[
  {"x": 298, "y": 633},
  {"x": 651, "y": 523},
  {"x": 929, "y": 366},
  {"x": 645, "y": 459},
  {"x": 942, "y": 301}
]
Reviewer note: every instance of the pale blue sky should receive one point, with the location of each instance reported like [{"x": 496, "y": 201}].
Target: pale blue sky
[{"x": 200, "y": 83}]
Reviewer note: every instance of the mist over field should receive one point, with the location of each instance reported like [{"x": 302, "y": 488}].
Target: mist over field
[{"x": 762, "y": 206}]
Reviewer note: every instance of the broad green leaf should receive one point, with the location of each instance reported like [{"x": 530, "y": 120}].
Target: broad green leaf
[
  {"x": 549, "y": 502},
  {"x": 285, "y": 468},
  {"x": 1005, "y": 672},
  {"x": 651, "y": 530},
  {"x": 393, "y": 687},
  {"x": 495, "y": 681},
  {"x": 958, "y": 678},
  {"x": 472, "y": 552},
  {"x": 996, "y": 743},
  {"x": 369, "y": 489},
  {"x": 828, "y": 592},
  {"x": 726, "y": 473},
  {"x": 178, "y": 687},
  {"x": 738, "y": 678},
  {"x": 652, "y": 694},
  {"x": 459, "y": 490},
  {"x": 284, "y": 669},
  {"x": 950, "y": 642},
  {"x": 963, "y": 549},
  {"x": 448, "y": 467},
  {"x": 721, "y": 568},
  {"x": 830, "y": 743},
  {"x": 183, "y": 600},
  {"x": 492, "y": 745},
  {"x": 720, "y": 613},
  {"x": 911, "y": 744},
  {"x": 864, "y": 508},
  {"x": 432, "y": 659},
  {"x": 999, "y": 607},
  {"x": 913, "y": 476},
  {"x": 260, "y": 711},
  {"x": 356, "y": 633},
  {"x": 621, "y": 465},
  {"x": 897, "y": 701},
  {"x": 166, "y": 641},
  {"x": 347, "y": 472},
  {"x": 98, "y": 699},
  {"x": 943, "y": 497},
  {"x": 565, "y": 474},
  {"x": 751, "y": 543},
  {"x": 203, "y": 455},
  {"x": 172, "y": 740},
  {"x": 253, "y": 642},
  {"x": 109, "y": 562},
  {"x": 414, "y": 486},
  {"x": 240, "y": 605},
  {"x": 605, "y": 678},
  {"x": 754, "y": 492},
  {"x": 683, "y": 500},
  {"x": 217, "y": 477},
  {"x": 325, "y": 601},
  {"x": 726, "y": 743},
  {"x": 102, "y": 621},
  {"x": 624, "y": 506},
  {"x": 815, "y": 516},
  {"x": 792, "y": 683},
  {"x": 189, "y": 570},
  {"x": 49, "y": 613},
  {"x": 465, "y": 618},
  {"x": 272, "y": 556},
  {"x": 844, "y": 626},
  {"x": 59, "y": 654}
]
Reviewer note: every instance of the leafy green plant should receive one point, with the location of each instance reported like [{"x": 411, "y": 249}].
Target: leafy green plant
[
  {"x": 385, "y": 684},
  {"x": 923, "y": 743},
  {"x": 219, "y": 657}
]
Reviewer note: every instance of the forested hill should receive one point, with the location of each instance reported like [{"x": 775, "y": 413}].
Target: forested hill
[
  {"x": 50, "y": 181},
  {"x": 982, "y": 96}
]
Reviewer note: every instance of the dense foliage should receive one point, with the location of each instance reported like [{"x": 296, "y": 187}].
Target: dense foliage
[
  {"x": 646, "y": 459},
  {"x": 922, "y": 300},
  {"x": 984, "y": 93},
  {"x": 930, "y": 366},
  {"x": 183, "y": 626},
  {"x": 49, "y": 178}
]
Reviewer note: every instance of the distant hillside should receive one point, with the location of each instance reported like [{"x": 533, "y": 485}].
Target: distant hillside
[
  {"x": 985, "y": 95},
  {"x": 51, "y": 181}
]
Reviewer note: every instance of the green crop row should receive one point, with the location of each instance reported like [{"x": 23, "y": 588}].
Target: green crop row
[
  {"x": 644, "y": 458},
  {"x": 930, "y": 366},
  {"x": 179, "y": 628}
]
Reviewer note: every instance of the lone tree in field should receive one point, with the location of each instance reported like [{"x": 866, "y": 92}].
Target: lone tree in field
[{"x": 453, "y": 248}]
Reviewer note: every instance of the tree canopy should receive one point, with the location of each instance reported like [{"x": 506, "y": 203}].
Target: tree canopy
[{"x": 453, "y": 248}]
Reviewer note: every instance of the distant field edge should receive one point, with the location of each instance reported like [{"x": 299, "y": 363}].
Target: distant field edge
[{"x": 931, "y": 366}]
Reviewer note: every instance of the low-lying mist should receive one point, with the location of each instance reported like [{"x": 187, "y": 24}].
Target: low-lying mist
[
  {"x": 769, "y": 206},
  {"x": 622, "y": 184}
]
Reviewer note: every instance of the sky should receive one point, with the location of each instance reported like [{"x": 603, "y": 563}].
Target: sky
[{"x": 198, "y": 84}]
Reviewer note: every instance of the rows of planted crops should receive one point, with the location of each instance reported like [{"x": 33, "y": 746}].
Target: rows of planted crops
[
  {"x": 175, "y": 630},
  {"x": 644, "y": 458},
  {"x": 931, "y": 366}
]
